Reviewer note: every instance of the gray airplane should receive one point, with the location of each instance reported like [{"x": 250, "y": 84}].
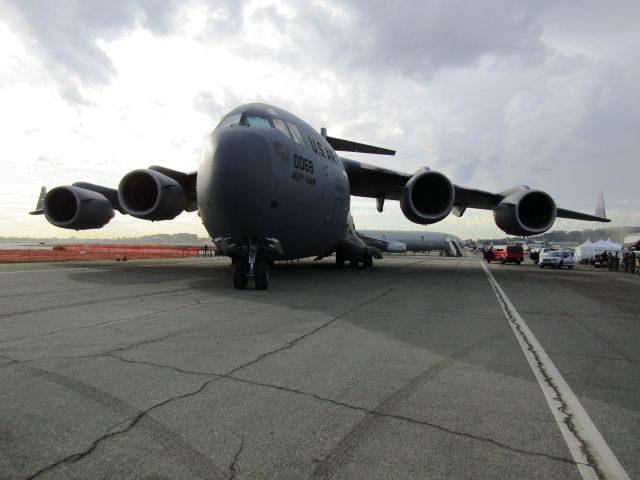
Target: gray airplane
[
  {"x": 398, "y": 241},
  {"x": 270, "y": 187}
]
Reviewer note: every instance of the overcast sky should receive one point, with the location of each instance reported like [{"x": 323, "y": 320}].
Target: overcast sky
[{"x": 492, "y": 93}]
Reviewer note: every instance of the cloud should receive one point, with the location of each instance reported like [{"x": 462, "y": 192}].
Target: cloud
[
  {"x": 207, "y": 103},
  {"x": 65, "y": 34},
  {"x": 426, "y": 37},
  {"x": 48, "y": 162},
  {"x": 493, "y": 94}
]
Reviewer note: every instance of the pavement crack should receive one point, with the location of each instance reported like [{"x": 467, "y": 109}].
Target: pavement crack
[
  {"x": 94, "y": 302},
  {"x": 73, "y": 458},
  {"x": 161, "y": 365},
  {"x": 10, "y": 361},
  {"x": 234, "y": 460},
  {"x": 299, "y": 339},
  {"x": 99, "y": 324},
  {"x": 111, "y": 432},
  {"x": 568, "y": 418},
  {"x": 403, "y": 418}
]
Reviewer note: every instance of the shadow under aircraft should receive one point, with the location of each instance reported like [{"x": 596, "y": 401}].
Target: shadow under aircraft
[{"x": 270, "y": 187}]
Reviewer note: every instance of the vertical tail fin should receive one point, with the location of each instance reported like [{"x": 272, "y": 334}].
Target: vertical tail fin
[
  {"x": 39, "y": 206},
  {"x": 600, "y": 212}
]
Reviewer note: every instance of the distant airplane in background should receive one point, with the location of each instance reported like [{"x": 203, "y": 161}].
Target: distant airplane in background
[
  {"x": 270, "y": 187},
  {"x": 398, "y": 241}
]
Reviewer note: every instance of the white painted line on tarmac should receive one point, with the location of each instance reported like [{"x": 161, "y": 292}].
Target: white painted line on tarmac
[
  {"x": 8, "y": 272},
  {"x": 594, "y": 458}
]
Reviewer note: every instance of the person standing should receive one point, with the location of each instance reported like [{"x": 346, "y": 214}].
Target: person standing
[{"x": 625, "y": 261}]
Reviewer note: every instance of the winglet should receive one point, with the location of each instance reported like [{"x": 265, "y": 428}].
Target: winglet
[
  {"x": 39, "y": 206},
  {"x": 600, "y": 211}
]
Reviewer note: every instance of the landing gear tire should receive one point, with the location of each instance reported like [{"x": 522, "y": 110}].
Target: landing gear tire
[
  {"x": 240, "y": 271},
  {"x": 353, "y": 263},
  {"x": 261, "y": 274},
  {"x": 339, "y": 261},
  {"x": 368, "y": 260}
]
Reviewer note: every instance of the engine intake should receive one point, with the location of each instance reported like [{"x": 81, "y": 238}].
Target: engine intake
[
  {"x": 77, "y": 208},
  {"x": 530, "y": 212},
  {"x": 427, "y": 197},
  {"x": 150, "y": 195}
]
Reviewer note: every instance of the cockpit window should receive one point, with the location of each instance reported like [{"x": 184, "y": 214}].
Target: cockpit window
[
  {"x": 230, "y": 120},
  {"x": 296, "y": 133},
  {"x": 251, "y": 120},
  {"x": 280, "y": 125},
  {"x": 256, "y": 121}
]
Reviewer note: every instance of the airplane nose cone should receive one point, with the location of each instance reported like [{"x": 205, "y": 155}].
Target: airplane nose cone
[{"x": 233, "y": 183}]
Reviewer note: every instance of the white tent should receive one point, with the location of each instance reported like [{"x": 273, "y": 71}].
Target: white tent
[
  {"x": 588, "y": 249},
  {"x": 609, "y": 245}
]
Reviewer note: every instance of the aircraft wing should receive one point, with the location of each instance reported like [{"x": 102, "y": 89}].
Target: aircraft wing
[
  {"x": 157, "y": 193},
  {"x": 373, "y": 242},
  {"x": 563, "y": 213},
  {"x": 371, "y": 181}
]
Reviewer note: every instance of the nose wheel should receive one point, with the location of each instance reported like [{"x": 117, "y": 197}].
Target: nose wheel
[{"x": 243, "y": 269}]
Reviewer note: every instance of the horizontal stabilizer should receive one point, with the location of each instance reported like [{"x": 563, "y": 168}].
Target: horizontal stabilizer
[
  {"x": 599, "y": 216},
  {"x": 349, "y": 146}
]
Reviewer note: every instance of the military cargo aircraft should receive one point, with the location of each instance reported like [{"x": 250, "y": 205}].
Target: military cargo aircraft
[
  {"x": 399, "y": 241},
  {"x": 270, "y": 187}
]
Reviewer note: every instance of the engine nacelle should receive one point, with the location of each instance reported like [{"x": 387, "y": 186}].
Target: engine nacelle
[
  {"x": 427, "y": 197},
  {"x": 530, "y": 212},
  {"x": 76, "y": 208},
  {"x": 150, "y": 195},
  {"x": 396, "y": 247}
]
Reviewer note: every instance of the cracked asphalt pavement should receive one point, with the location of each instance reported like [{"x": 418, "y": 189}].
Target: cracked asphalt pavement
[{"x": 161, "y": 370}]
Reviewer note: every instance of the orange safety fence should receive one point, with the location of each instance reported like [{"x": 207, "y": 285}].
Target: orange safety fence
[{"x": 98, "y": 252}]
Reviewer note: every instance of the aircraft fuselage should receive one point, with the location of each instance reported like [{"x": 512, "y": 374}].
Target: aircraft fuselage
[{"x": 305, "y": 206}]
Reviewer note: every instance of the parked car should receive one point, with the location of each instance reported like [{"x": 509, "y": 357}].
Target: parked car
[
  {"x": 557, "y": 259},
  {"x": 507, "y": 253}
]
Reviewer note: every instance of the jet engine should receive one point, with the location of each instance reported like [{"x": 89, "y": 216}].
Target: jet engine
[
  {"x": 77, "y": 208},
  {"x": 151, "y": 195},
  {"x": 427, "y": 197},
  {"x": 529, "y": 212}
]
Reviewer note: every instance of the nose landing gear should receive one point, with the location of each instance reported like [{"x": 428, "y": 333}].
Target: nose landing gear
[{"x": 243, "y": 269}]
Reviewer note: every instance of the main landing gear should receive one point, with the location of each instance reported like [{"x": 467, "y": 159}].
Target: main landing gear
[
  {"x": 243, "y": 269},
  {"x": 367, "y": 260}
]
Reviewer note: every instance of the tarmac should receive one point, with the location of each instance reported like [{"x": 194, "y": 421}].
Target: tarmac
[{"x": 412, "y": 369}]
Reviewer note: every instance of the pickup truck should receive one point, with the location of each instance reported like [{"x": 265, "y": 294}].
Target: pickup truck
[{"x": 506, "y": 254}]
